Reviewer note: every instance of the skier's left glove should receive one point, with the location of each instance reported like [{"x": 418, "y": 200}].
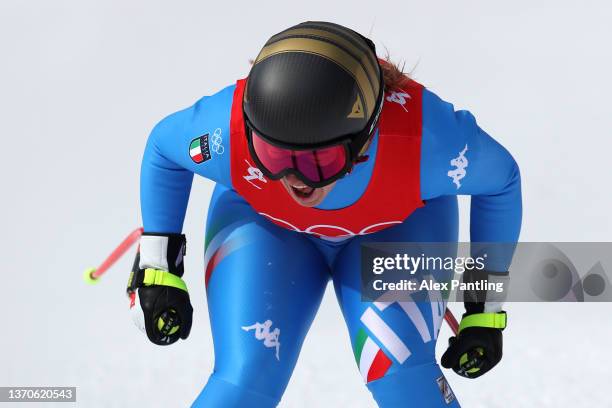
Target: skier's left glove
[
  {"x": 477, "y": 348},
  {"x": 159, "y": 300}
]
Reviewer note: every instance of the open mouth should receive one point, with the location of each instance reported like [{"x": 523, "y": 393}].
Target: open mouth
[{"x": 301, "y": 190}]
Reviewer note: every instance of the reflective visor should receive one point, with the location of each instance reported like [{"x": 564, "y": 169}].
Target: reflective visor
[{"x": 317, "y": 165}]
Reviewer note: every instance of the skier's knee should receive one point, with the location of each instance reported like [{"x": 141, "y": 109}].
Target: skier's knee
[
  {"x": 219, "y": 393},
  {"x": 413, "y": 386}
]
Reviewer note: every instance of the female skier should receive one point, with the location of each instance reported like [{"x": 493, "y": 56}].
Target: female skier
[{"x": 321, "y": 148}]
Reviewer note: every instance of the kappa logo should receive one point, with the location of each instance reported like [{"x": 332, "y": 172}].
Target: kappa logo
[
  {"x": 460, "y": 162},
  {"x": 254, "y": 174},
  {"x": 399, "y": 98},
  {"x": 262, "y": 332},
  {"x": 445, "y": 389}
]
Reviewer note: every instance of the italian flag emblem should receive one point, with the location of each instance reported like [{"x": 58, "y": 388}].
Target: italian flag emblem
[
  {"x": 372, "y": 361},
  {"x": 199, "y": 150}
]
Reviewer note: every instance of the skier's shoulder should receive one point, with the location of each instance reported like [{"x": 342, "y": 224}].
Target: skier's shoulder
[
  {"x": 197, "y": 138},
  {"x": 444, "y": 126},
  {"x": 212, "y": 108},
  {"x": 447, "y": 132}
]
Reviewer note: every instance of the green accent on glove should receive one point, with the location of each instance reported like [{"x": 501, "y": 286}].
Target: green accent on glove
[
  {"x": 492, "y": 320},
  {"x": 161, "y": 323},
  {"x": 163, "y": 278},
  {"x": 464, "y": 359}
]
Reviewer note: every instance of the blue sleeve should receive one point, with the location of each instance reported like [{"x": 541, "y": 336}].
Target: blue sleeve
[
  {"x": 459, "y": 158},
  {"x": 168, "y": 166}
]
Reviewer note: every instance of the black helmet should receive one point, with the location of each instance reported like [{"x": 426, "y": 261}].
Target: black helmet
[{"x": 314, "y": 84}]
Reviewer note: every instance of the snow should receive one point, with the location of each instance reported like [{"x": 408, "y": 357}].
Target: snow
[{"x": 82, "y": 84}]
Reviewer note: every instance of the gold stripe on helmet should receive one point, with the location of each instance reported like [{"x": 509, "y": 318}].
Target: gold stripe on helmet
[
  {"x": 339, "y": 41},
  {"x": 332, "y": 53}
]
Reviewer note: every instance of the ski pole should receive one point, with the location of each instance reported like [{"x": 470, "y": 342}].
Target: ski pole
[
  {"x": 92, "y": 275},
  {"x": 452, "y": 322}
]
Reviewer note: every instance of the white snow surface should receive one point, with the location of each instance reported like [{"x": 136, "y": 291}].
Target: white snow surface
[{"x": 83, "y": 82}]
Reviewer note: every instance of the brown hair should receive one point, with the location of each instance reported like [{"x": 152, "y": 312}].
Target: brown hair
[{"x": 393, "y": 74}]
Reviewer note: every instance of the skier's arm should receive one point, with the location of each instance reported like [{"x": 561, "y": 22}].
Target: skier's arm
[
  {"x": 170, "y": 160},
  {"x": 459, "y": 158},
  {"x": 491, "y": 176},
  {"x": 164, "y": 183},
  {"x": 178, "y": 147},
  {"x": 160, "y": 305}
]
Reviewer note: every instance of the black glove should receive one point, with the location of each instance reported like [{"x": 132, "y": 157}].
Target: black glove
[
  {"x": 159, "y": 298},
  {"x": 476, "y": 349}
]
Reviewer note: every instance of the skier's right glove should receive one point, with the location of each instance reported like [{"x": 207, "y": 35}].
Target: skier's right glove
[{"x": 159, "y": 300}]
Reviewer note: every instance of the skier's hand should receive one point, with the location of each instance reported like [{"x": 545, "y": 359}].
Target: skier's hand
[
  {"x": 159, "y": 300},
  {"x": 478, "y": 346}
]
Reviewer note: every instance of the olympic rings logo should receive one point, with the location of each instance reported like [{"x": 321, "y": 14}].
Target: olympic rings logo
[
  {"x": 324, "y": 230},
  {"x": 216, "y": 141}
]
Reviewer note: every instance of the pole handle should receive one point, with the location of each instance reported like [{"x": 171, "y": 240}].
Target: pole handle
[{"x": 452, "y": 322}]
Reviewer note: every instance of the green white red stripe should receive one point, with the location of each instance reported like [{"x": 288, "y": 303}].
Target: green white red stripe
[
  {"x": 199, "y": 152},
  {"x": 222, "y": 242},
  {"x": 385, "y": 335},
  {"x": 372, "y": 361}
]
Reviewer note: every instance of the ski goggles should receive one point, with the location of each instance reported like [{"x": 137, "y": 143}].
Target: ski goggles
[{"x": 316, "y": 167}]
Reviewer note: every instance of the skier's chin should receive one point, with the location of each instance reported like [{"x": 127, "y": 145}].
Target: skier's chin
[{"x": 304, "y": 195}]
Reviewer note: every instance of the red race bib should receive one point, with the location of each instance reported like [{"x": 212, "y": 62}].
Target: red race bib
[{"x": 391, "y": 196}]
